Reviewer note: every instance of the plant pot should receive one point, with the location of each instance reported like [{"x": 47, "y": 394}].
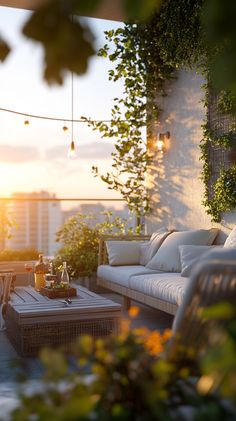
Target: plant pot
[{"x": 89, "y": 282}]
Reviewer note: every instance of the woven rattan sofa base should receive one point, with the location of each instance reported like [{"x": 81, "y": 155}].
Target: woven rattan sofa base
[{"x": 36, "y": 324}]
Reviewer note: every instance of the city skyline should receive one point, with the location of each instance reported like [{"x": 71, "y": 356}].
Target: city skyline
[{"x": 35, "y": 217}]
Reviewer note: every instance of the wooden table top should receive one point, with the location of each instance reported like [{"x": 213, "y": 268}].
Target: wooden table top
[{"x": 26, "y": 302}]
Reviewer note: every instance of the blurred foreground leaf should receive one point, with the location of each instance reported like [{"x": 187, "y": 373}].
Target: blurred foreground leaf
[
  {"x": 219, "y": 19},
  {"x": 140, "y": 9},
  {"x": 67, "y": 42},
  {"x": 4, "y": 49}
]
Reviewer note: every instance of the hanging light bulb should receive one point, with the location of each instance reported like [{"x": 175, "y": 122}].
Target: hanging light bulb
[
  {"x": 26, "y": 123},
  {"x": 65, "y": 128},
  {"x": 72, "y": 152}
]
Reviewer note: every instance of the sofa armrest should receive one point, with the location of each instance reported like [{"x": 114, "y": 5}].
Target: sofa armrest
[{"x": 102, "y": 252}]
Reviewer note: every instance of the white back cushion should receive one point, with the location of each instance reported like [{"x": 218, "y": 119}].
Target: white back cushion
[
  {"x": 149, "y": 249},
  {"x": 231, "y": 239},
  {"x": 167, "y": 257},
  {"x": 190, "y": 255},
  {"x": 123, "y": 252}
]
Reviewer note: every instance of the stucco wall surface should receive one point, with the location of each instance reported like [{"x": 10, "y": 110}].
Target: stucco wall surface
[{"x": 174, "y": 177}]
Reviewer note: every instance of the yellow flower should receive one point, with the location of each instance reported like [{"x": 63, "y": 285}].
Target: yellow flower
[
  {"x": 133, "y": 311},
  {"x": 124, "y": 328},
  {"x": 154, "y": 343},
  {"x": 166, "y": 335},
  {"x": 141, "y": 331}
]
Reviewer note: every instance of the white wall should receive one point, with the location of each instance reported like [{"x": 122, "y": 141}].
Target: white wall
[{"x": 174, "y": 178}]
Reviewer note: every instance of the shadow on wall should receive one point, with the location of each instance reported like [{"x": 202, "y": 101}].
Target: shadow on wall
[{"x": 174, "y": 176}]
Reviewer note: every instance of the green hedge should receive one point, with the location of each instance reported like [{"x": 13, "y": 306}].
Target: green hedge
[{"x": 19, "y": 255}]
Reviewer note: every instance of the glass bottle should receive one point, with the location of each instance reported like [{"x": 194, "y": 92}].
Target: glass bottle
[
  {"x": 40, "y": 269},
  {"x": 49, "y": 277},
  {"x": 65, "y": 279}
]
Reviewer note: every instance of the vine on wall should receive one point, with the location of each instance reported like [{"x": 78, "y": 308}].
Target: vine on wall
[
  {"x": 220, "y": 194},
  {"x": 146, "y": 55}
]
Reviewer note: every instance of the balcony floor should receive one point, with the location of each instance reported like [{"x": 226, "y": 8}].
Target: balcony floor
[{"x": 32, "y": 369}]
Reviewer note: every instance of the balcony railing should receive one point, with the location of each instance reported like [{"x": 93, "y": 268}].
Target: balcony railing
[{"x": 31, "y": 221}]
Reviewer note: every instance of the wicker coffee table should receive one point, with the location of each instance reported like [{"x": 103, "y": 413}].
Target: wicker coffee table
[{"x": 34, "y": 321}]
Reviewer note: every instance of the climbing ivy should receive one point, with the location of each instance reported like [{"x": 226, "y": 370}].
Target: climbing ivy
[
  {"x": 224, "y": 197},
  {"x": 218, "y": 197},
  {"x": 146, "y": 56}
]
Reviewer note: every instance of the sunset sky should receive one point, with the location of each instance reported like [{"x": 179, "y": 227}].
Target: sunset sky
[{"x": 33, "y": 158}]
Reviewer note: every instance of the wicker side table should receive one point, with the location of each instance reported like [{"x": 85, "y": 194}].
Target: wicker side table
[{"x": 33, "y": 323}]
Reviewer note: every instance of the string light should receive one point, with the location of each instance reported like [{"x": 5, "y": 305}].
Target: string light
[
  {"x": 68, "y": 120},
  {"x": 71, "y": 151}
]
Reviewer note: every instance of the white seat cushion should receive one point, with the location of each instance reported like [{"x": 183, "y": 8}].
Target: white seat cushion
[
  {"x": 169, "y": 287},
  {"x": 121, "y": 274}
]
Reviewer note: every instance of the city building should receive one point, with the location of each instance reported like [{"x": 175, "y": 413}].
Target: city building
[
  {"x": 35, "y": 222},
  {"x": 4, "y": 225}
]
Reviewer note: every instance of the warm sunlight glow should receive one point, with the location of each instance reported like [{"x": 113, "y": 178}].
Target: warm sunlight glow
[{"x": 34, "y": 152}]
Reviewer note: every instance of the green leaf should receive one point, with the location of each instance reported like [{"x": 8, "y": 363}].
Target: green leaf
[
  {"x": 69, "y": 48},
  {"x": 141, "y": 9},
  {"x": 4, "y": 49}
]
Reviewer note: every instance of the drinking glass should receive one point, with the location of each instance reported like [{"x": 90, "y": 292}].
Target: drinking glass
[{"x": 29, "y": 269}]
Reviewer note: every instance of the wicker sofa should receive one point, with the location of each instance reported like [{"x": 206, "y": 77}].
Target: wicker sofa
[
  {"x": 154, "y": 285},
  {"x": 163, "y": 291}
]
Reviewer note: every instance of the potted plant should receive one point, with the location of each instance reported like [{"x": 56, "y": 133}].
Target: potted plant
[{"x": 80, "y": 238}]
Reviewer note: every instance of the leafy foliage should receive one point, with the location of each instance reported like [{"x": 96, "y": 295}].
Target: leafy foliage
[
  {"x": 218, "y": 365},
  {"x": 145, "y": 56},
  {"x": 128, "y": 377},
  {"x": 220, "y": 196},
  {"x": 80, "y": 238},
  {"x": 69, "y": 48},
  {"x": 224, "y": 197},
  {"x": 18, "y": 255},
  {"x": 72, "y": 43},
  {"x": 4, "y": 49},
  {"x": 219, "y": 25}
]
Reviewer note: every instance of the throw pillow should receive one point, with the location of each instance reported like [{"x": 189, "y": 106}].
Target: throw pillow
[
  {"x": 149, "y": 249},
  {"x": 123, "y": 252},
  {"x": 167, "y": 258},
  {"x": 231, "y": 239},
  {"x": 190, "y": 255}
]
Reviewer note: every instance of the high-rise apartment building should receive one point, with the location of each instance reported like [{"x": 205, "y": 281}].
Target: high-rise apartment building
[
  {"x": 4, "y": 226},
  {"x": 35, "y": 222}
]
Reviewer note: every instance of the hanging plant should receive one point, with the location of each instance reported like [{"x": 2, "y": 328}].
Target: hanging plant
[
  {"x": 224, "y": 194},
  {"x": 146, "y": 55}
]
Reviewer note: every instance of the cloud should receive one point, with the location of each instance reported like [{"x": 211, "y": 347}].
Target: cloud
[
  {"x": 18, "y": 154},
  {"x": 94, "y": 150},
  {"x": 21, "y": 154}
]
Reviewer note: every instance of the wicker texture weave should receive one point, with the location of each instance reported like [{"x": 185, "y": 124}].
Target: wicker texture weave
[
  {"x": 212, "y": 282},
  {"x": 29, "y": 339}
]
